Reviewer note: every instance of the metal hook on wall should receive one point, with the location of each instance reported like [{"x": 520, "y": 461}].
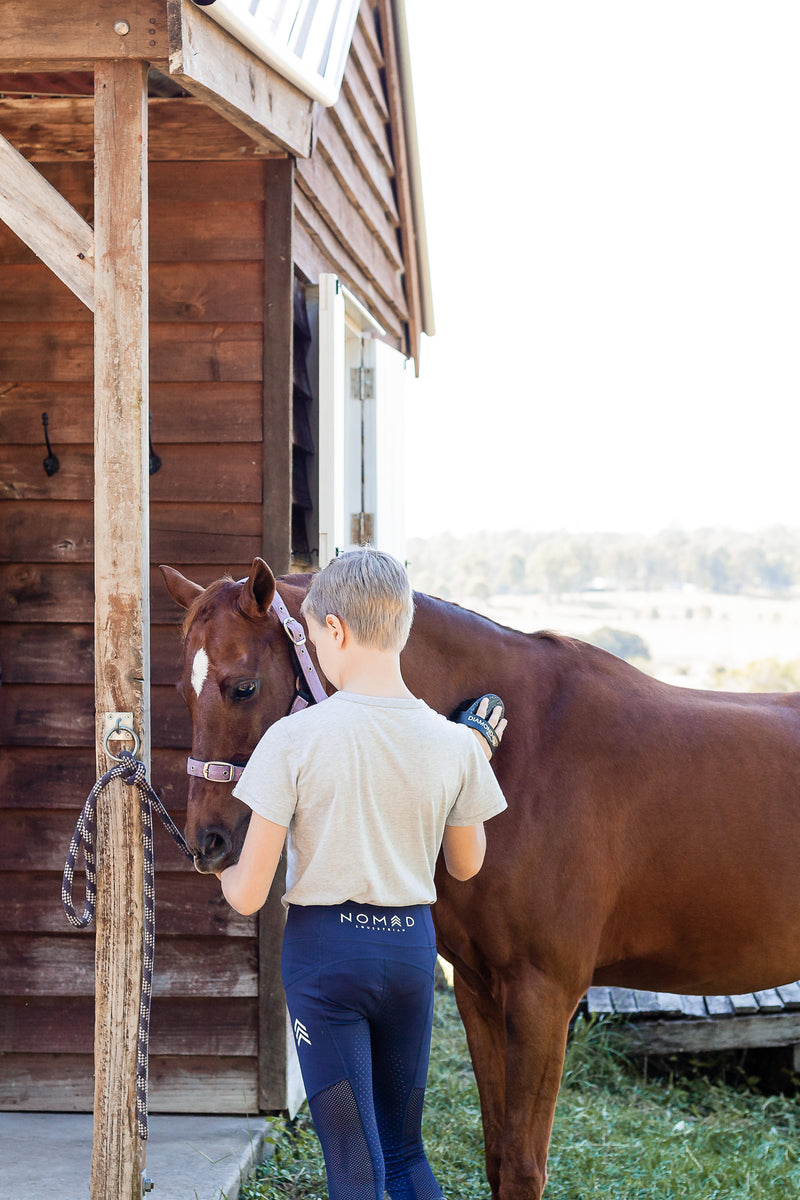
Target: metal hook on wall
[
  {"x": 155, "y": 461},
  {"x": 51, "y": 463}
]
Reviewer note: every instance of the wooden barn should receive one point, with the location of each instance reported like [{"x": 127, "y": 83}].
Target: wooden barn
[{"x": 284, "y": 255}]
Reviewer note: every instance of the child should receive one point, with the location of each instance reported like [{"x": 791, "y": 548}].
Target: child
[{"x": 369, "y": 785}]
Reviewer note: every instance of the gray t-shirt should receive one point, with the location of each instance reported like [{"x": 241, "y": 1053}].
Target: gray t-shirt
[{"x": 366, "y": 785}]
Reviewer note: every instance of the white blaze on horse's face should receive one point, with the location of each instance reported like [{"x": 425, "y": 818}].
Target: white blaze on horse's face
[{"x": 199, "y": 671}]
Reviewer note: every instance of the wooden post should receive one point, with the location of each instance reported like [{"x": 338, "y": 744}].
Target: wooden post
[{"x": 121, "y": 534}]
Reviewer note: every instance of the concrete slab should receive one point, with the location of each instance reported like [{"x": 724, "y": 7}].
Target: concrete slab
[{"x": 188, "y": 1158}]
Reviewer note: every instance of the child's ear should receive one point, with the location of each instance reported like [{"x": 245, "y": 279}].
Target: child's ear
[{"x": 336, "y": 627}]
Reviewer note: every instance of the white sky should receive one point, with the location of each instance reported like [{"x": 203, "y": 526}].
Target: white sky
[{"x": 612, "y": 194}]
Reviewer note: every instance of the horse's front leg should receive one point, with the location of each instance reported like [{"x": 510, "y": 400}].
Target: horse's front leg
[
  {"x": 483, "y": 1022},
  {"x": 537, "y": 1012}
]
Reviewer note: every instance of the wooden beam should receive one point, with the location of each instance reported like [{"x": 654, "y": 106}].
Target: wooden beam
[
  {"x": 47, "y": 223},
  {"x": 698, "y": 1037},
  {"x": 57, "y": 129},
  {"x": 190, "y": 129},
  {"x": 211, "y": 64},
  {"x": 278, "y": 362},
  {"x": 122, "y": 681},
  {"x": 41, "y": 35}
]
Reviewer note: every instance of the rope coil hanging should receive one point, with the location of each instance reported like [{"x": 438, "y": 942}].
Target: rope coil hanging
[{"x": 134, "y": 773}]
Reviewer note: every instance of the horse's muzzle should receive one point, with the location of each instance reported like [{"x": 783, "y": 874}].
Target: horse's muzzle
[{"x": 217, "y": 848}]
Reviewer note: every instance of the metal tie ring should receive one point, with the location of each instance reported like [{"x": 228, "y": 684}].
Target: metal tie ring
[{"x": 120, "y": 728}]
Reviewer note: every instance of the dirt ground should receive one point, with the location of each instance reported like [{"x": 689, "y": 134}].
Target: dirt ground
[{"x": 689, "y": 633}]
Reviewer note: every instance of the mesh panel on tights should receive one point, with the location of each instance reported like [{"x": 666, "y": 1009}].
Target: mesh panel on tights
[
  {"x": 414, "y": 1115},
  {"x": 408, "y": 1175},
  {"x": 349, "y": 1158}
]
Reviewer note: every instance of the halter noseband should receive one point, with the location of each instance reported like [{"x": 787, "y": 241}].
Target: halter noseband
[{"x": 309, "y": 691}]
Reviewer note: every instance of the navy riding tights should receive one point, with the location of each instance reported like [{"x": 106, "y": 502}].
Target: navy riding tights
[{"x": 359, "y": 986}]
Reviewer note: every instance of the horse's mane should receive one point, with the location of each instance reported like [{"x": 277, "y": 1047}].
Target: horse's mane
[
  {"x": 560, "y": 639},
  {"x": 220, "y": 592}
]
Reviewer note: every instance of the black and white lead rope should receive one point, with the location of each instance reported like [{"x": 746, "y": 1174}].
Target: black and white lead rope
[{"x": 134, "y": 773}]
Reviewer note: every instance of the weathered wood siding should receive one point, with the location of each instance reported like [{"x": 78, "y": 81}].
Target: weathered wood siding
[
  {"x": 346, "y": 201},
  {"x": 207, "y": 297},
  {"x": 216, "y": 402}
]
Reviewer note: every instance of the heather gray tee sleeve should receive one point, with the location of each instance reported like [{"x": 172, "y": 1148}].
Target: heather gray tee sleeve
[
  {"x": 480, "y": 797},
  {"x": 268, "y": 784}
]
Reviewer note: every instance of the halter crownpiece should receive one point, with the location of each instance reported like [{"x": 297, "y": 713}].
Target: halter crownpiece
[
  {"x": 307, "y": 680},
  {"x": 297, "y": 636}
]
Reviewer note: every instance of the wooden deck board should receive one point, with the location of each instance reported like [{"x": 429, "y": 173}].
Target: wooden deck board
[
  {"x": 790, "y": 995},
  {"x": 627, "y": 1001},
  {"x": 599, "y": 1000},
  {"x": 769, "y": 1000},
  {"x": 660, "y": 1022},
  {"x": 624, "y": 1000},
  {"x": 719, "y": 1006},
  {"x": 693, "y": 1006},
  {"x": 744, "y": 1004},
  {"x": 670, "y": 1004}
]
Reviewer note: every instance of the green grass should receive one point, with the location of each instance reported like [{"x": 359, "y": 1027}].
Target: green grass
[{"x": 704, "y": 1134}]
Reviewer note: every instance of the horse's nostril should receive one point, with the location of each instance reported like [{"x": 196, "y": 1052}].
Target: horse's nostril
[{"x": 214, "y": 845}]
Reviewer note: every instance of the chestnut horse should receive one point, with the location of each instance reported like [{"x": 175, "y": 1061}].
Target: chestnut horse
[{"x": 652, "y": 838}]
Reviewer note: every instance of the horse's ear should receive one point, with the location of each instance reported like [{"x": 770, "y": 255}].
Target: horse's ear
[
  {"x": 258, "y": 591},
  {"x": 182, "y": 590}
]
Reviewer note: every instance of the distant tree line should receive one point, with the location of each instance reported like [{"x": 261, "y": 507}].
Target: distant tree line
[{"x": 714, "y": 560}]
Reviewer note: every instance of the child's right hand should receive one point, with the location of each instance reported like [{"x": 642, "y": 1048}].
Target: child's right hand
[{"x": 497, "y": 721}]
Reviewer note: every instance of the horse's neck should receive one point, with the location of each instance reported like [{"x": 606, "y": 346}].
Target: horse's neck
[
  {"x": 452, "y": 654},
  {"x": 292, "y": 590}
]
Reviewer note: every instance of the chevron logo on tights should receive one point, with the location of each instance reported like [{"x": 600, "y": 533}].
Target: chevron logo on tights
[{"x": 301, "y": 1033}]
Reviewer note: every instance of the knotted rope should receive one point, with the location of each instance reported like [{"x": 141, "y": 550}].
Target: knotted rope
[{"x": 134, "y": 773}]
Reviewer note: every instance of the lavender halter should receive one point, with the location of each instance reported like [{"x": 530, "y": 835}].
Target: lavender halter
[{"x": 225, "y": 772}]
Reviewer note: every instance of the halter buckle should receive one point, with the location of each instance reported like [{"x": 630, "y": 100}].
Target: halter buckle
[
  {"x": 294, "y": 631},
  {"x": 229, "y": 768}
]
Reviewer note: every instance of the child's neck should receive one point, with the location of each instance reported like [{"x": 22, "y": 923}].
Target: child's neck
[{"x": 374, "y": 673}]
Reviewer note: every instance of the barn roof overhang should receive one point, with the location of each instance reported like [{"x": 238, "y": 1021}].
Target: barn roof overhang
[
  {"x": 207, "y": 88},
  {"x": 178, "y": 40},
  {"x": 306, "y": 41}
]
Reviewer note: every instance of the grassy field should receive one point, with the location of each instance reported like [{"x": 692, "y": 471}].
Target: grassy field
[
  {"x": 703, "y": 1131},
  {"x": 690, "y": 634}
]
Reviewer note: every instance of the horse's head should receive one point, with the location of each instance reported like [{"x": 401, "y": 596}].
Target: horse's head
[{"x": 238, "y": 678}]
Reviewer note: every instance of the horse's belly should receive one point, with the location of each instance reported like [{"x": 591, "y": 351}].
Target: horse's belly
[
  {"x": 708, "y": 884},
  {"x": 726, "y": 940},
  {"x": 699, "y": 979}
]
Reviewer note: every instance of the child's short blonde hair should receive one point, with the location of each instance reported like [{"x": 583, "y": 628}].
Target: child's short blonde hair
[{"x": 368, "y": 590}]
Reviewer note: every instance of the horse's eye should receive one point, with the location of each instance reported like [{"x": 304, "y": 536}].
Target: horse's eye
[{"x": 246, "y": 690}]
